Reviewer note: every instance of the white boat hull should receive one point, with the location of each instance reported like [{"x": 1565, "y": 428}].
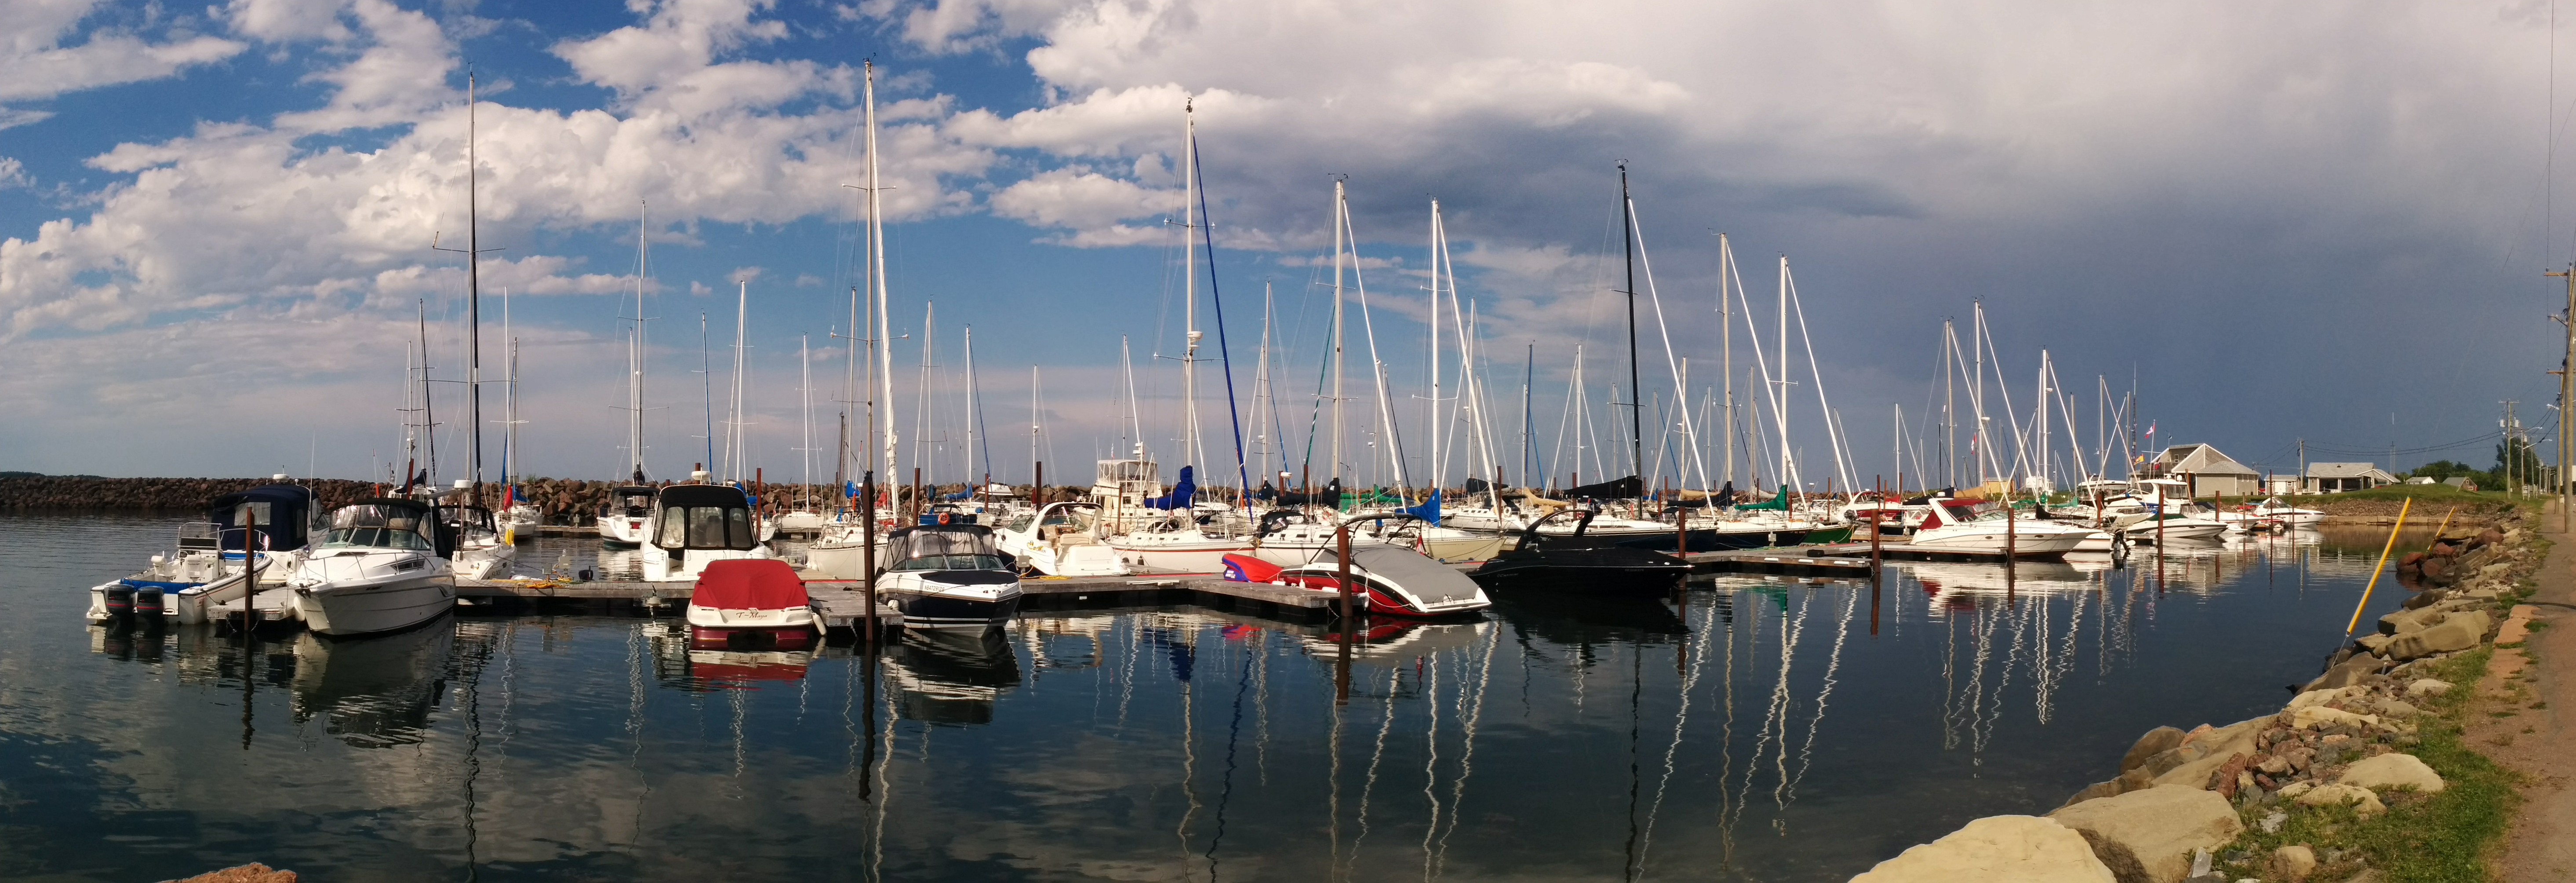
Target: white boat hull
[
  {"x": 1992, "y": 538},
  {"x": 621, "y": 530},
  {"x": 1155, "y": 554},
  {"x": 368, "y": 607}
]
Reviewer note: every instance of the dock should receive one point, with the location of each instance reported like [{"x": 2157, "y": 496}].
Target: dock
[{"x": 843, "y": 605}]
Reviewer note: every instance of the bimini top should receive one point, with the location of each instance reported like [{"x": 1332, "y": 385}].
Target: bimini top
[
  {"x": 749, "y": 584},
  {"x": 704, "y": 495}
]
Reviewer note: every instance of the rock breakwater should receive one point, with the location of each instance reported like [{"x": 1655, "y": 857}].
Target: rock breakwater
[{"x": 2210, "y": 804}]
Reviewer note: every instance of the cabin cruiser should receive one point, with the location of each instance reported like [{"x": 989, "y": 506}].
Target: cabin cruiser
[
  {"x": 2285, "y": 513},
  {"x": 1956, "y": 525},
  {"x": 206, "y": 567},
  {"x": 948, "y": 576},
  {"x": 1057, "y": 540},
  {"x": 382, "y": 567},
  {"x": 694, "y": 525},
  {"x": 1390, "y": 580},
  {"x": 624, "y": 523},
  {"x": 755, "y": 599},
  {"x": 1576, "y": 561}
]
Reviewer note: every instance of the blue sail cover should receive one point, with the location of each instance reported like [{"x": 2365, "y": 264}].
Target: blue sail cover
[
  {"x": 1180, "y": 496},
  {"x": 1428, "y": 511}
]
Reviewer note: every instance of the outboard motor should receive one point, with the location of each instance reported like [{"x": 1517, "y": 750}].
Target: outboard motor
[
  {"x": 147, "y": 602},
  {"x": 120, "y": 600}
]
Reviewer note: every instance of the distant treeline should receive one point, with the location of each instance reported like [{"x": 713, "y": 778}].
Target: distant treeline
[{"x": 558, "y": 500}]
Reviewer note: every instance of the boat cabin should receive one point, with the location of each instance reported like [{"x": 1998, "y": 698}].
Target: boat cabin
[
  {"x": 703, "y": 516},
  {"x": 632, "y": 501},
  {"x": 387, "y": 523}
]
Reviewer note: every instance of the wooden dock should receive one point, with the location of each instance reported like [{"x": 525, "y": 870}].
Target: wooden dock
[{"x": 843, "y": 605}]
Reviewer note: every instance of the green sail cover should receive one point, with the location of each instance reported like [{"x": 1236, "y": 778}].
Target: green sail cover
[{"x": 1778, "y": 504}]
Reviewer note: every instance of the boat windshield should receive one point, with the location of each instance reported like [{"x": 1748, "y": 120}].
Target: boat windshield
[
  {"x": 705, "y": 527},
  {"x": 388, "y": 527},
  {"x": 945, "y": 550}
]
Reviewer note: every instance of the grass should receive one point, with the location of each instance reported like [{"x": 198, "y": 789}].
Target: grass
[{"x": 2423, "y": 838}]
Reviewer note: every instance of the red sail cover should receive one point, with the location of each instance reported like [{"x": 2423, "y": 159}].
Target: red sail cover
[{"x": 749, "y": 584}]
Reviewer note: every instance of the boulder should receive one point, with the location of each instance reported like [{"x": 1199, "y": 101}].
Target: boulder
[
  {"x": 2148, "y": 836},
  {"x": 250, "y": 873},
  {"x": 2373, "y": 644},
  {"x": 2318, "y": 717},
  {"x": 2424, "y": 687},
  {"x": 2294, "y": 863},
  {"x": 2156, "y": 741},
  {"x": 2398, "y": 708},
  {"x": 1996, "y": 848},
  {"x": 2392, "y": 771},
  {"x": 2348, "y": 672},
  {"x": 2435, "y": 567},
  {"x": 2426, "y": 598},
  {"x": 2457, "y": 631},
  {"x": 2404, "y": 621},
  {"x": 2317, "y": 697},
  {"x": 2208, "y": 749},
  {"x": 2364, "y": 802}
]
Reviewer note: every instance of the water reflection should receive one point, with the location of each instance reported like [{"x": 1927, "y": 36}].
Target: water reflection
[{"x": 1773, "y": 729}]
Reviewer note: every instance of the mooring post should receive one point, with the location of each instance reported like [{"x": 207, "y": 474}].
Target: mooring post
[
  {"x": 2383, "y": 565},
  {"x": 868, "y": 547},
  {"x": 1877, "y": 525}
]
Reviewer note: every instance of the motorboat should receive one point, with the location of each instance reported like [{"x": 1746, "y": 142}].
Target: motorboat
[
  {"x": 1578, "y": 562},
  {"x": 1956, "y": 525},
  {"x": 623, "y": 522},
  {"x": 206, "y": 566},
  {"x": 751, "y": 600},
  {"x": 948, "y": 576},
  {"x": 1289, "y": 538},
  {"x": 841, "y": 549},
  {"x": 381, "y": 567},
  {"x": 695, "y": 525},
  {"x": 797, "y": 522},
  {"x": 1390, "y": 580},
  {"x": 2285, "y": 513},
  {"x": 1058, "y": 540}
]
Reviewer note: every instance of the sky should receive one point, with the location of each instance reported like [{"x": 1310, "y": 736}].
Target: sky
[{"x": 2274, "y": 222}]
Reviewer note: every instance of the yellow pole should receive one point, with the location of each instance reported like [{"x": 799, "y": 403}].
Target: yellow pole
[
  {"x": 2446, "y": 524},
  {"x": 2383, "y": 565}
]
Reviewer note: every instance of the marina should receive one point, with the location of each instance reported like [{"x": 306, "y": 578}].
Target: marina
[{"x": 1769, "y": 728}]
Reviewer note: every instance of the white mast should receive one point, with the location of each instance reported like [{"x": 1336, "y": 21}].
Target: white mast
[
  {"x": 1035, "y": 427},
  {"x": 510, "y": 466},
  {"x": 1262, "y": 402},
  {"x": 1439, "y": 474},
  {"x": 974, "y": 409},
  {"x": 1780, "y": 403},
  {"x": 1726, "y": 346},
  {"x": 876, "y": 273},
  {"x": 1190, "y": 453},
  {"x": 635, "y": 360},
  {"x": 1339, "y": 206},
  {"x": 921, "y": 419},
  {"x": 734, "y": 452},
  {"x": 1377, "y": 366},
  {"x": 805, "y": 390}
]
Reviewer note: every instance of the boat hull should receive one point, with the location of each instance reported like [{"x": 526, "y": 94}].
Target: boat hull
[{"x": 373, "y": 607}]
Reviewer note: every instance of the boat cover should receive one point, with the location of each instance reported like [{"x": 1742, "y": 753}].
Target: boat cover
[
  {"x": 749, "y": 584},
  {"x": 1431, "y": 581},
  {"x": 1180, "y": 496},
  {"x": 1620, "y": 489}
]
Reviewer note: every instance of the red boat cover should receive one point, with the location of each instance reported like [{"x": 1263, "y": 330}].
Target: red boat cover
[
  {"x": 1247, "y": 569},
  {"x": 749, "y": 584}
]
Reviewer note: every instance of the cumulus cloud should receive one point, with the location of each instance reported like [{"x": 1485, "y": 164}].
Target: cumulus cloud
[{"x": 35, "y": 63}]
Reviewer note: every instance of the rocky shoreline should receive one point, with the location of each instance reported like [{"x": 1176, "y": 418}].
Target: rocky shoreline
[
  {"x": 2193, "y": 805},
  {"x": 560, "y": 501}
]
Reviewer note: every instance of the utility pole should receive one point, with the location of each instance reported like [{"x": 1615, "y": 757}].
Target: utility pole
[{"x": 2566, "y": 396}]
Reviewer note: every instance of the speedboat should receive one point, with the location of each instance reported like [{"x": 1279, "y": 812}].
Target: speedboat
[
  {"x": 382, "y": 567},
  {"x": 1390, "y": 580},
  {"x": 948, "y": 576},
  {"x": 694, "y": 525},
  {"x": 757, "y": 600},
  {"x": 1956, "y": 525},
  {"x": 206, "y": 567},
  {"x": 624, "y": 521},
  {"x": 1057, "y": 540},
  {"x": 1577, "y": 562}
]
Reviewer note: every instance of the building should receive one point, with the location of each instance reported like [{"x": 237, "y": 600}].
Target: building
[
  {"x": 2206, "y": 471},
  {"x": 2331, "y": 478},
  {"x": 2462, "y": 482}
]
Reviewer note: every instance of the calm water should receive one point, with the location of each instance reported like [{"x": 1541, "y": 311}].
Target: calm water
[{"x": 1767, "y": 730}]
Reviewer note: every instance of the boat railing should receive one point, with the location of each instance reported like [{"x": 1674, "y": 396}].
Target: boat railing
[{"x": 199, "y": 534}]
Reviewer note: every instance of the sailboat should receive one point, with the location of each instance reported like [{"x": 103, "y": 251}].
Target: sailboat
[
  {"x": 1163, "y": 533},
  {"x": 622, "y": 522},
  {"x": 804, "y": 519},
  {"x": 518, "y": 517},
  {"x": 856, "y": 530},
  {"x": 478, "y": 548}
]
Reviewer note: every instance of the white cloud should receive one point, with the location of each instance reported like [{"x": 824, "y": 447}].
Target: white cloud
[
  {"x": 13, "y": 174},
  {"x": 401, "y": 75},
  {"x": 34, "y": 63}
]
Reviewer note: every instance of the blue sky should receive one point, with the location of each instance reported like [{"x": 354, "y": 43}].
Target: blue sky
[{"x": 2282, "y": 221}]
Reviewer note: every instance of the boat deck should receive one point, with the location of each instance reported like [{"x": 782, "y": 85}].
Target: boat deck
[{"x": 270, "y": 605}]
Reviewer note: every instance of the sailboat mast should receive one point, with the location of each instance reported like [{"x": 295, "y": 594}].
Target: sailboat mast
[
  {"x": 635, "y": 359},
  {"x": 884, "y": 344},
  {"x": 1628, "y": 254},
  {"x": 734, "y": 453},
  {"x": 974, "y": 413},
  {"x": 1340, "y": 205},
  {"x": 1189, "y": 289},
  {"x": 1780, "y": 404},
  {"x": 805, "y": 390},
  {"x": 1036, "y": 496},
  {"x": 1726, "y": 349},
  {"x": 473, "y": 307},
  {"x": 1438, "y": 474}
]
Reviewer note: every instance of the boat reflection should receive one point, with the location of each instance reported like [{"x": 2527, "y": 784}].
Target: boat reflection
[
  {"x": 377, "y": 691},
  {"x": 951, "y": 676}
]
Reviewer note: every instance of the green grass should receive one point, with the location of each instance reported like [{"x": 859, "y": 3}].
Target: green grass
[{"x": 2435, "y": 838}]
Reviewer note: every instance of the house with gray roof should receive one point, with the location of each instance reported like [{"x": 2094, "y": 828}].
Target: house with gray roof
[{"x": 2206, "y": 471}]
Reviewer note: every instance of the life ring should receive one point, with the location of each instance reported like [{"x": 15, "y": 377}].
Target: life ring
[{"x": 943, "y": 519}]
